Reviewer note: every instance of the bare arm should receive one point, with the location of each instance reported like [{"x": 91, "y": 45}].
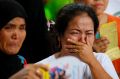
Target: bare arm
[{"x": 97, "y": 71}]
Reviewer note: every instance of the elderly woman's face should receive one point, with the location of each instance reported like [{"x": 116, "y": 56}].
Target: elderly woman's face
[
  {"x": 80, "y": 29},
  {"x": 98, "y": 5},
  {"x": 12, "y": 36}
]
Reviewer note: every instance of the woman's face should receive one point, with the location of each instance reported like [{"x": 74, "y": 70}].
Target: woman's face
[
  {"x": 12, "y": 36},
  {"x": 79, "y": 29},
  {"x": 98, "y": 5}
]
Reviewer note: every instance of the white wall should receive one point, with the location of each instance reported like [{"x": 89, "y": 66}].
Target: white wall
[{"x": 113, "y": 7}]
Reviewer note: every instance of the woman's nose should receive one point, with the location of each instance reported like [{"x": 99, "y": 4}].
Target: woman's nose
[
  {"x": 15, "y": 34},
  {"x": 82, "y": 38}
]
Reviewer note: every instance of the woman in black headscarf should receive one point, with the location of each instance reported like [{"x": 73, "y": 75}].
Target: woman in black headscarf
[{"x": 12, "y": 35}]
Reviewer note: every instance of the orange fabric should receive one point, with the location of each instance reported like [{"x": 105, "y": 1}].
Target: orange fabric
[{"x": 116, "y": 62}]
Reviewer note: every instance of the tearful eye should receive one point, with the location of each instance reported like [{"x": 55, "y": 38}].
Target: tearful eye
[
  {"x": 90, "y": 33},
  {"x": 8, "y": 27},
  {"x": 22, "y": 27},
  {"x": 74, "y": 33}
]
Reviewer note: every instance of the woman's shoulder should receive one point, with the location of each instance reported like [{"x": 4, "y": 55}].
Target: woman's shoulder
[
  {"x": 101, "y": 56},
  {"x": 47, "y": 60},
  {"x": 107, "y": 64}
]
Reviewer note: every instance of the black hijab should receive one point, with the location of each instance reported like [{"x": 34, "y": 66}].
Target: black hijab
[{"x": 9, "y": 64}]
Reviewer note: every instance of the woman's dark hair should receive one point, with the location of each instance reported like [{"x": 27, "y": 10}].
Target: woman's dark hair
[{"x": 68, "y": 12}]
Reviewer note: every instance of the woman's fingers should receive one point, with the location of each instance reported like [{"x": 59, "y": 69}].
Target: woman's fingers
[
  {"x": 45, "y": 67},
  {"x": 31, "y": 71},
  {"x": 101, "y": 45},
  {"x": 73, "y": 48},
  {"x": 73, "y": 42}
]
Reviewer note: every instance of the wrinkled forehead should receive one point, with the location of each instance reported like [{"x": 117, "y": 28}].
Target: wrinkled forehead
[{"x": 81, "y": 21}]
